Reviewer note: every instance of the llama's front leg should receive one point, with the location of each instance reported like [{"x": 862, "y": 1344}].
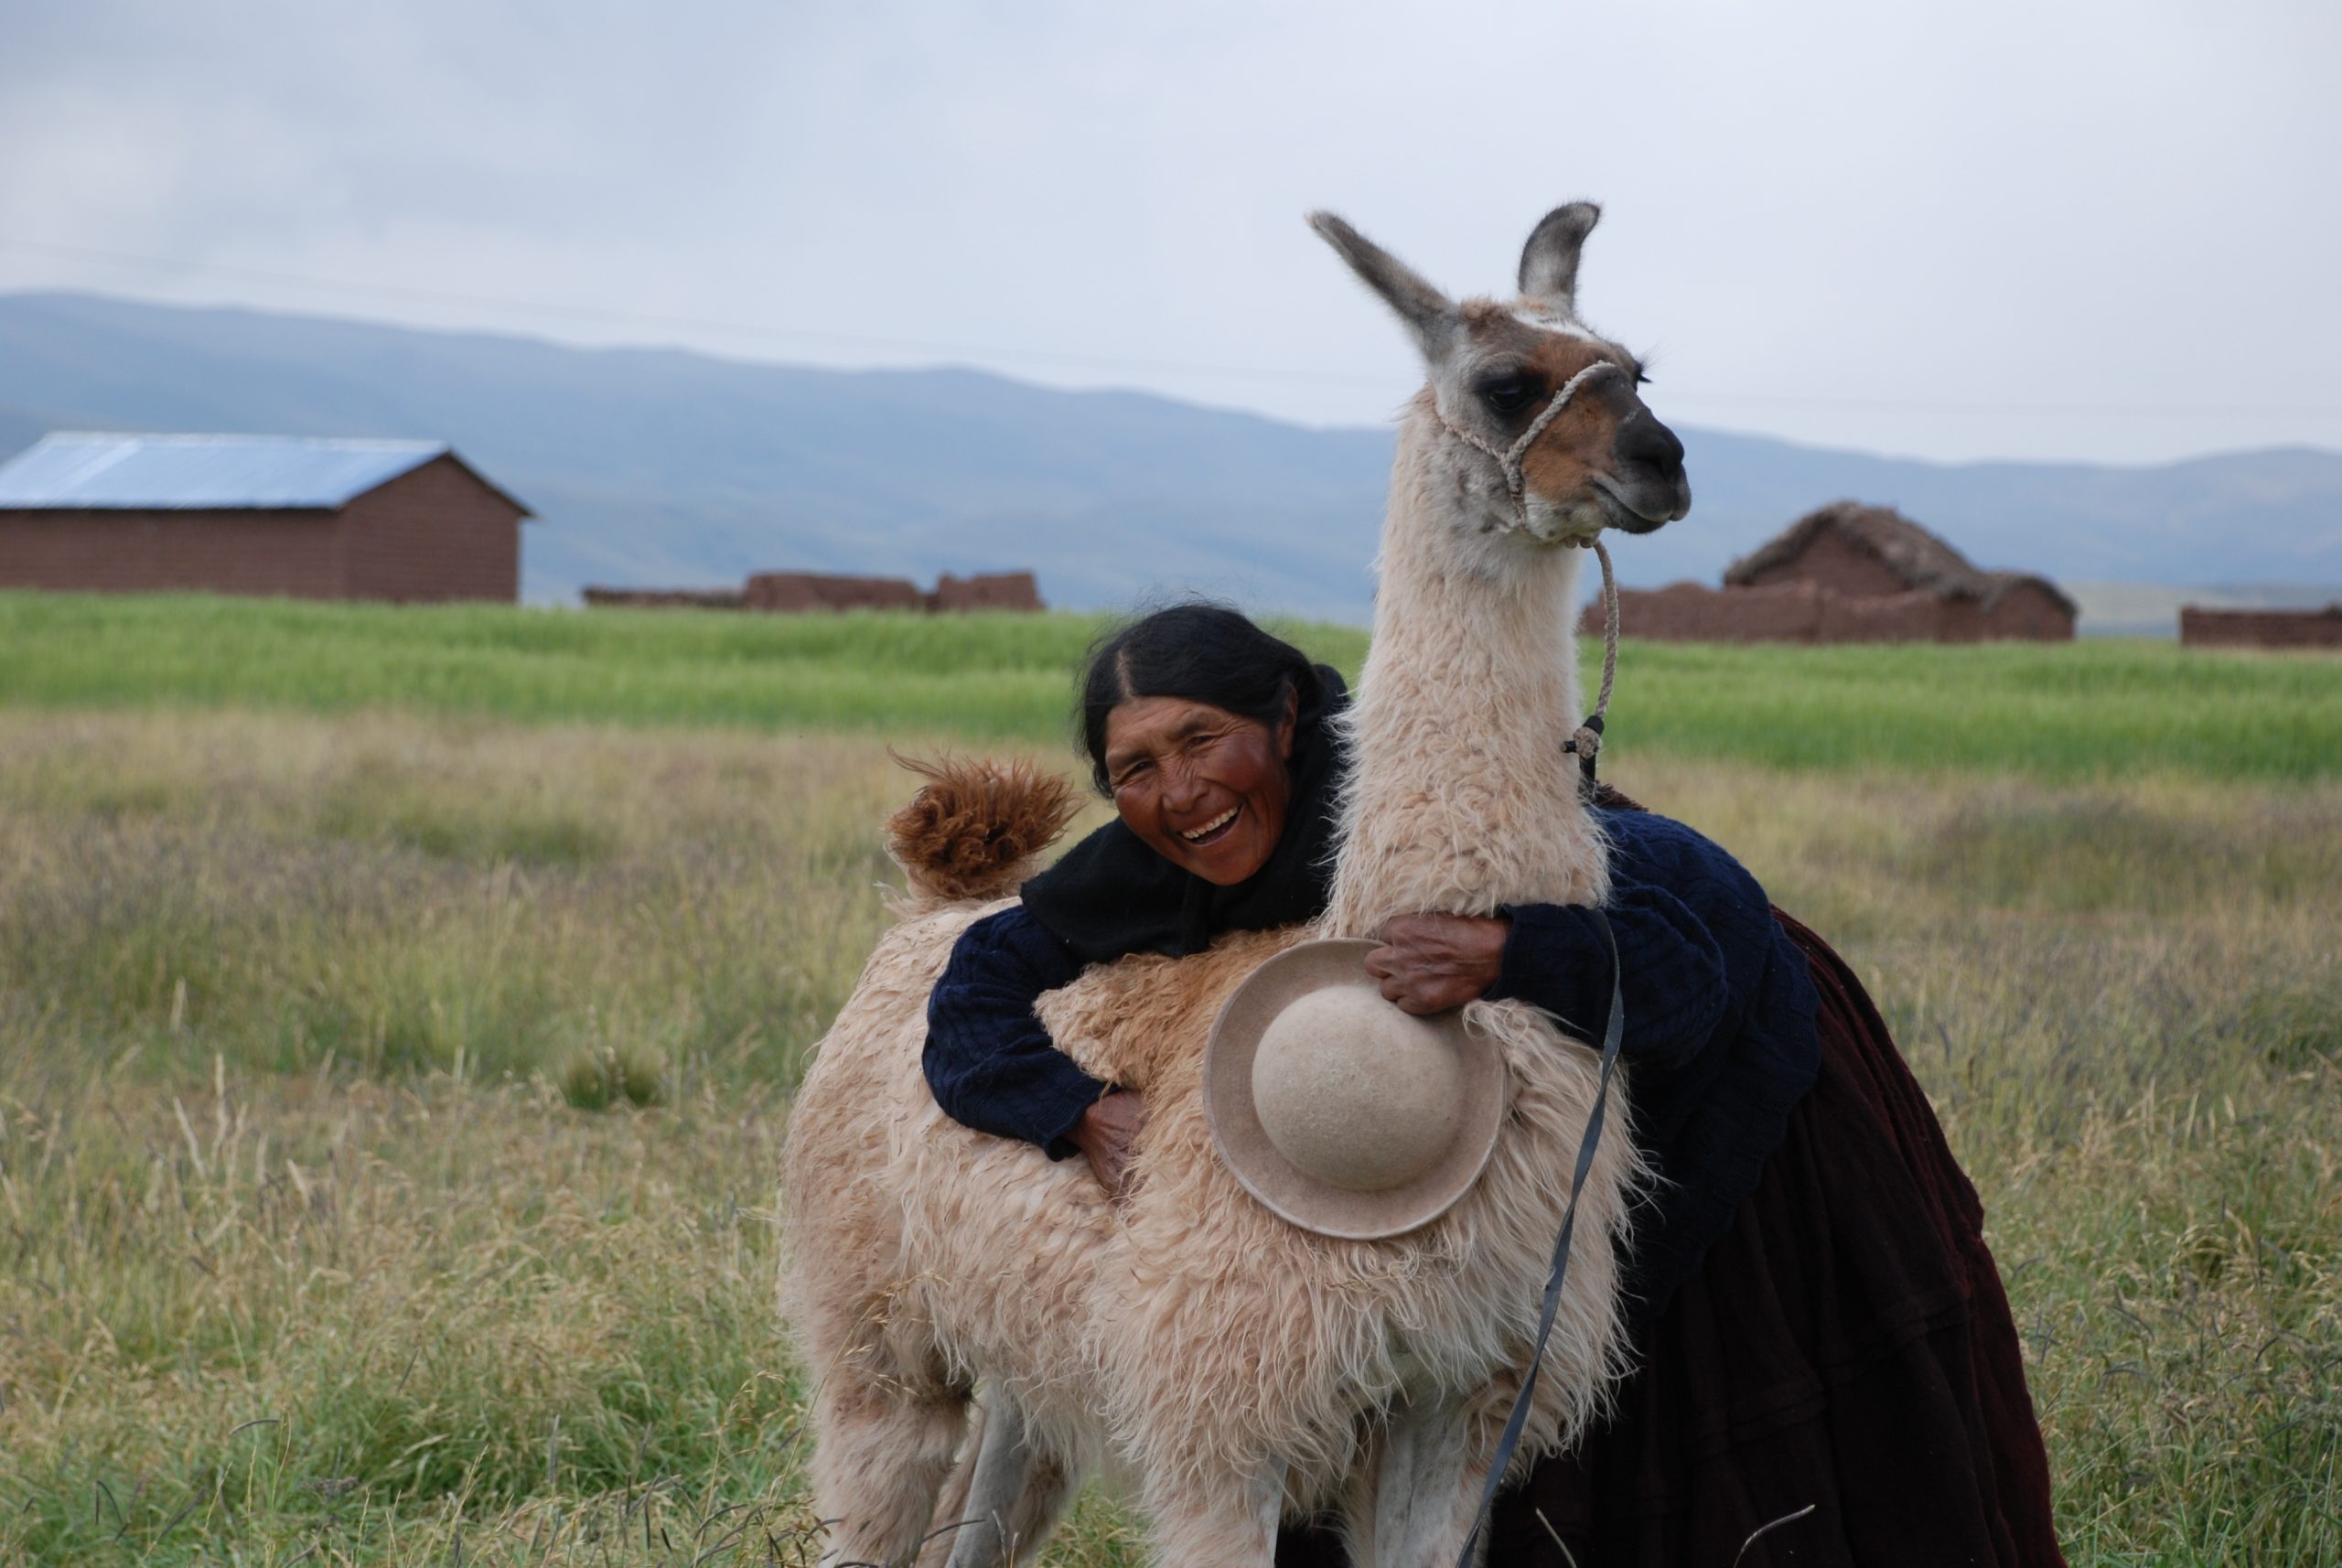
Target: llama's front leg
[
  {"x": 1425, "y": 1486},
  {"x": 1015, "y": 1494},
  {"x": 1224, "y": 1520}
]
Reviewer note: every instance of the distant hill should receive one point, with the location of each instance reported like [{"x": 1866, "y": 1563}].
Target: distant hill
[{"x": 661, "y": 466}]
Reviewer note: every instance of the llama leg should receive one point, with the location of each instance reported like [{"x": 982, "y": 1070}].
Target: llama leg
[
  {"x": 1222, "y": 1520},
  {"x": 1015, "y": 1493},
  {"x": 951, "y": 1502},
  {"x": 881, "y": 1454},
  {"x": 1425, "y": 1487}
]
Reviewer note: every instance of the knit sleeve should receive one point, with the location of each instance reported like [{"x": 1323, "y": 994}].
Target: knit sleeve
[
  {"x": 1671, "y": 972},
  {"x": 988, "y": 1060}
]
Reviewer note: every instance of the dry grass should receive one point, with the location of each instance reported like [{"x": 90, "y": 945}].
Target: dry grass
[{"x": 307, "y": 1252}]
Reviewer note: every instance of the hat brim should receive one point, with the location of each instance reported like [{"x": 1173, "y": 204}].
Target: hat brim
[{"x": 1294, "y": 1194}]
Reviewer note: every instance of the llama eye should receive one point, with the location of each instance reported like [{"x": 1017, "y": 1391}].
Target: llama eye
[{"x": 1509, "y": 395}]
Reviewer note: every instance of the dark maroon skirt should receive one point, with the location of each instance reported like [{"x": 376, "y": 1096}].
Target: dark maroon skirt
[{"x": 1847, "y": 1345}]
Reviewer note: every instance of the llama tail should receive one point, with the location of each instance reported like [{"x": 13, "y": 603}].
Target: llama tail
[{"x": 976, "y": 828}]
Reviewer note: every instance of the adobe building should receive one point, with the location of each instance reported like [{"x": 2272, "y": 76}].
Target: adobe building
[
  {"x": 1851, "y": 573},
  {"x": 407, "y": 521}
]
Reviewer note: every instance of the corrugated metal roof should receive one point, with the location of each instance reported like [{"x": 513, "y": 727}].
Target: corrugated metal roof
[{"x": 76, "y": 470}]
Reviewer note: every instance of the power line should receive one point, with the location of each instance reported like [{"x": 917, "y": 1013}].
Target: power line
[
  {"x": 1094, "y": 361},
  {"x": 685, "y": 323}
]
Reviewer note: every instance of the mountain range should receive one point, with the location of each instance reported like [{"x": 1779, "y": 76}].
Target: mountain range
[{"x": 665, "y": 468}]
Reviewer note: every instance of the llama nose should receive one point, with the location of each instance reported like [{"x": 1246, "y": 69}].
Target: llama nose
[{"x": 1646, "y": 443}]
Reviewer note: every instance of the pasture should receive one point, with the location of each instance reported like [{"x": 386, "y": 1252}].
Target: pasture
[{"x": 399, "y": 1010}]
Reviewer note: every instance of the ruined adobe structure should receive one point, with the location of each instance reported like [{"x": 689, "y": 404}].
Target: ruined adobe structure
[
  {"x": 794, "y": 592},
  {"x": 2261, "y": 628},
  {"x": 1850, "y": 573}
]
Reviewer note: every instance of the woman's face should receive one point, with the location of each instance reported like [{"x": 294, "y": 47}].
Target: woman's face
[{"x": 1207, "y": 790}]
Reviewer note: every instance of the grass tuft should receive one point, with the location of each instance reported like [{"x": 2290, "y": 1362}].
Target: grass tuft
[{"x": 596, "y": 1078}]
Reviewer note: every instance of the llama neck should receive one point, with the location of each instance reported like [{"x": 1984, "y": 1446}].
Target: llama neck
[{"x": 1461, "y": 797}]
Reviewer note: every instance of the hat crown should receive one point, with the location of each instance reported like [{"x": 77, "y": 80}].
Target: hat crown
[
  {"x": 1355, "y": 1092},
  {"x": 1338, "y": 1112}
]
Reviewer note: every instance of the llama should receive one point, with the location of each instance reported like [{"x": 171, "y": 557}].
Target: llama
[{"x": 1239, "y": 1369}]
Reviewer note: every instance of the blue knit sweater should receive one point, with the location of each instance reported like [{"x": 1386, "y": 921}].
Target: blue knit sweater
[{"x": 1719, "y": 1028}]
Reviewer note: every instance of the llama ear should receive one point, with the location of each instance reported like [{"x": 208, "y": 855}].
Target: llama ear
[
  {"x": 1428, "y": 314},
  {"x": 1549, "y": 262}
]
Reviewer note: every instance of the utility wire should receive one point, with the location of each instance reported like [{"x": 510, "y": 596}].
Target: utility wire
[
  {"x": 688, "y": 323},
  {"x": 1093, "y": 361}
]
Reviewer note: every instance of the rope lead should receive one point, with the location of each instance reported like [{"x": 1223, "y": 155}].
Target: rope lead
[{"x": 1586, "y": 742}]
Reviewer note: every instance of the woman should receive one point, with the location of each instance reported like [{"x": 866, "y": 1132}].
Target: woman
[{"x": 1816, "y": 1316}]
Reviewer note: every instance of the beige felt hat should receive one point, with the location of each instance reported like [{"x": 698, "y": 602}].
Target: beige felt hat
[{"x": 1340, "y": 1112}]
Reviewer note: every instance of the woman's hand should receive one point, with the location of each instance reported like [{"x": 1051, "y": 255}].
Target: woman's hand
[
  {"x": 1106, "y": 1134},
  {"x": 1430, "y": 963}
]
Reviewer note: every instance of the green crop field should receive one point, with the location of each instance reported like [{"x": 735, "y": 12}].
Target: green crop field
[
  {"x": 2088, "y": 710},
  {"x": 399, "y": 1010}
]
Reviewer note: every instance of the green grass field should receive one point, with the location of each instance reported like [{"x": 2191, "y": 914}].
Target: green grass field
[
  {"x": 314, "y": 1250},
  {"x": 2089, "y": 710}
]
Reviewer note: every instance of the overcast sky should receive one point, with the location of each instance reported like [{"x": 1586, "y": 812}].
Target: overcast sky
[{"x": 1949, "y": 230}]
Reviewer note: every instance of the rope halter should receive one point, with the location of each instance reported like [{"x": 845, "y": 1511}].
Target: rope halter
[
  {"x": 1509, "y": 462},
  {"x": 1585, "y": 742}
]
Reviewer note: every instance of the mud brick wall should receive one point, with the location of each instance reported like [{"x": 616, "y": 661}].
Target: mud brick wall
[
  {"x": 294, "y": 553},
  {"x": 2024, "y": 612},
  {"x": 1832, "y": 562},
  {"x": 986, "y": 591},
  {"x": 666, "y": 598},
  {"x": 2261, "y": 628},
  {"x": 1797, "y": 611},
  {"x": 1688, "y": 612},
  {"x": 789, "y": 591},
  {"x": 432, "y": 535}
]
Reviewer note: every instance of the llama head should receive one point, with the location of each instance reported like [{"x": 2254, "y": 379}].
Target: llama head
[{"x": 1603, "y": 460}]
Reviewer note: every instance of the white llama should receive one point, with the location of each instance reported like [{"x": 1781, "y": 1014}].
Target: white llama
[{"x": 1239, "y": 1369}]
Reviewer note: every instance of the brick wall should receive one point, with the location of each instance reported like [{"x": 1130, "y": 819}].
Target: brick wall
[
  {"x": 296, "y": 554},
  {"x": 791, "y": 591},
  {"x": 1831, "y": 562},
  {"x": 2261, "y": 628},
  {"x": 1912, "y": 615},
  {"x": 814, "y": 590},
  {"x": 1687, "y": 612},
  {"x": 986, "y": 591},
  {"x": 432, "y": 534},
  {"x": 2028, "y": 613},
  {"x": 667, "y": 598},
  {"x": 1807, "y": 612}
]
